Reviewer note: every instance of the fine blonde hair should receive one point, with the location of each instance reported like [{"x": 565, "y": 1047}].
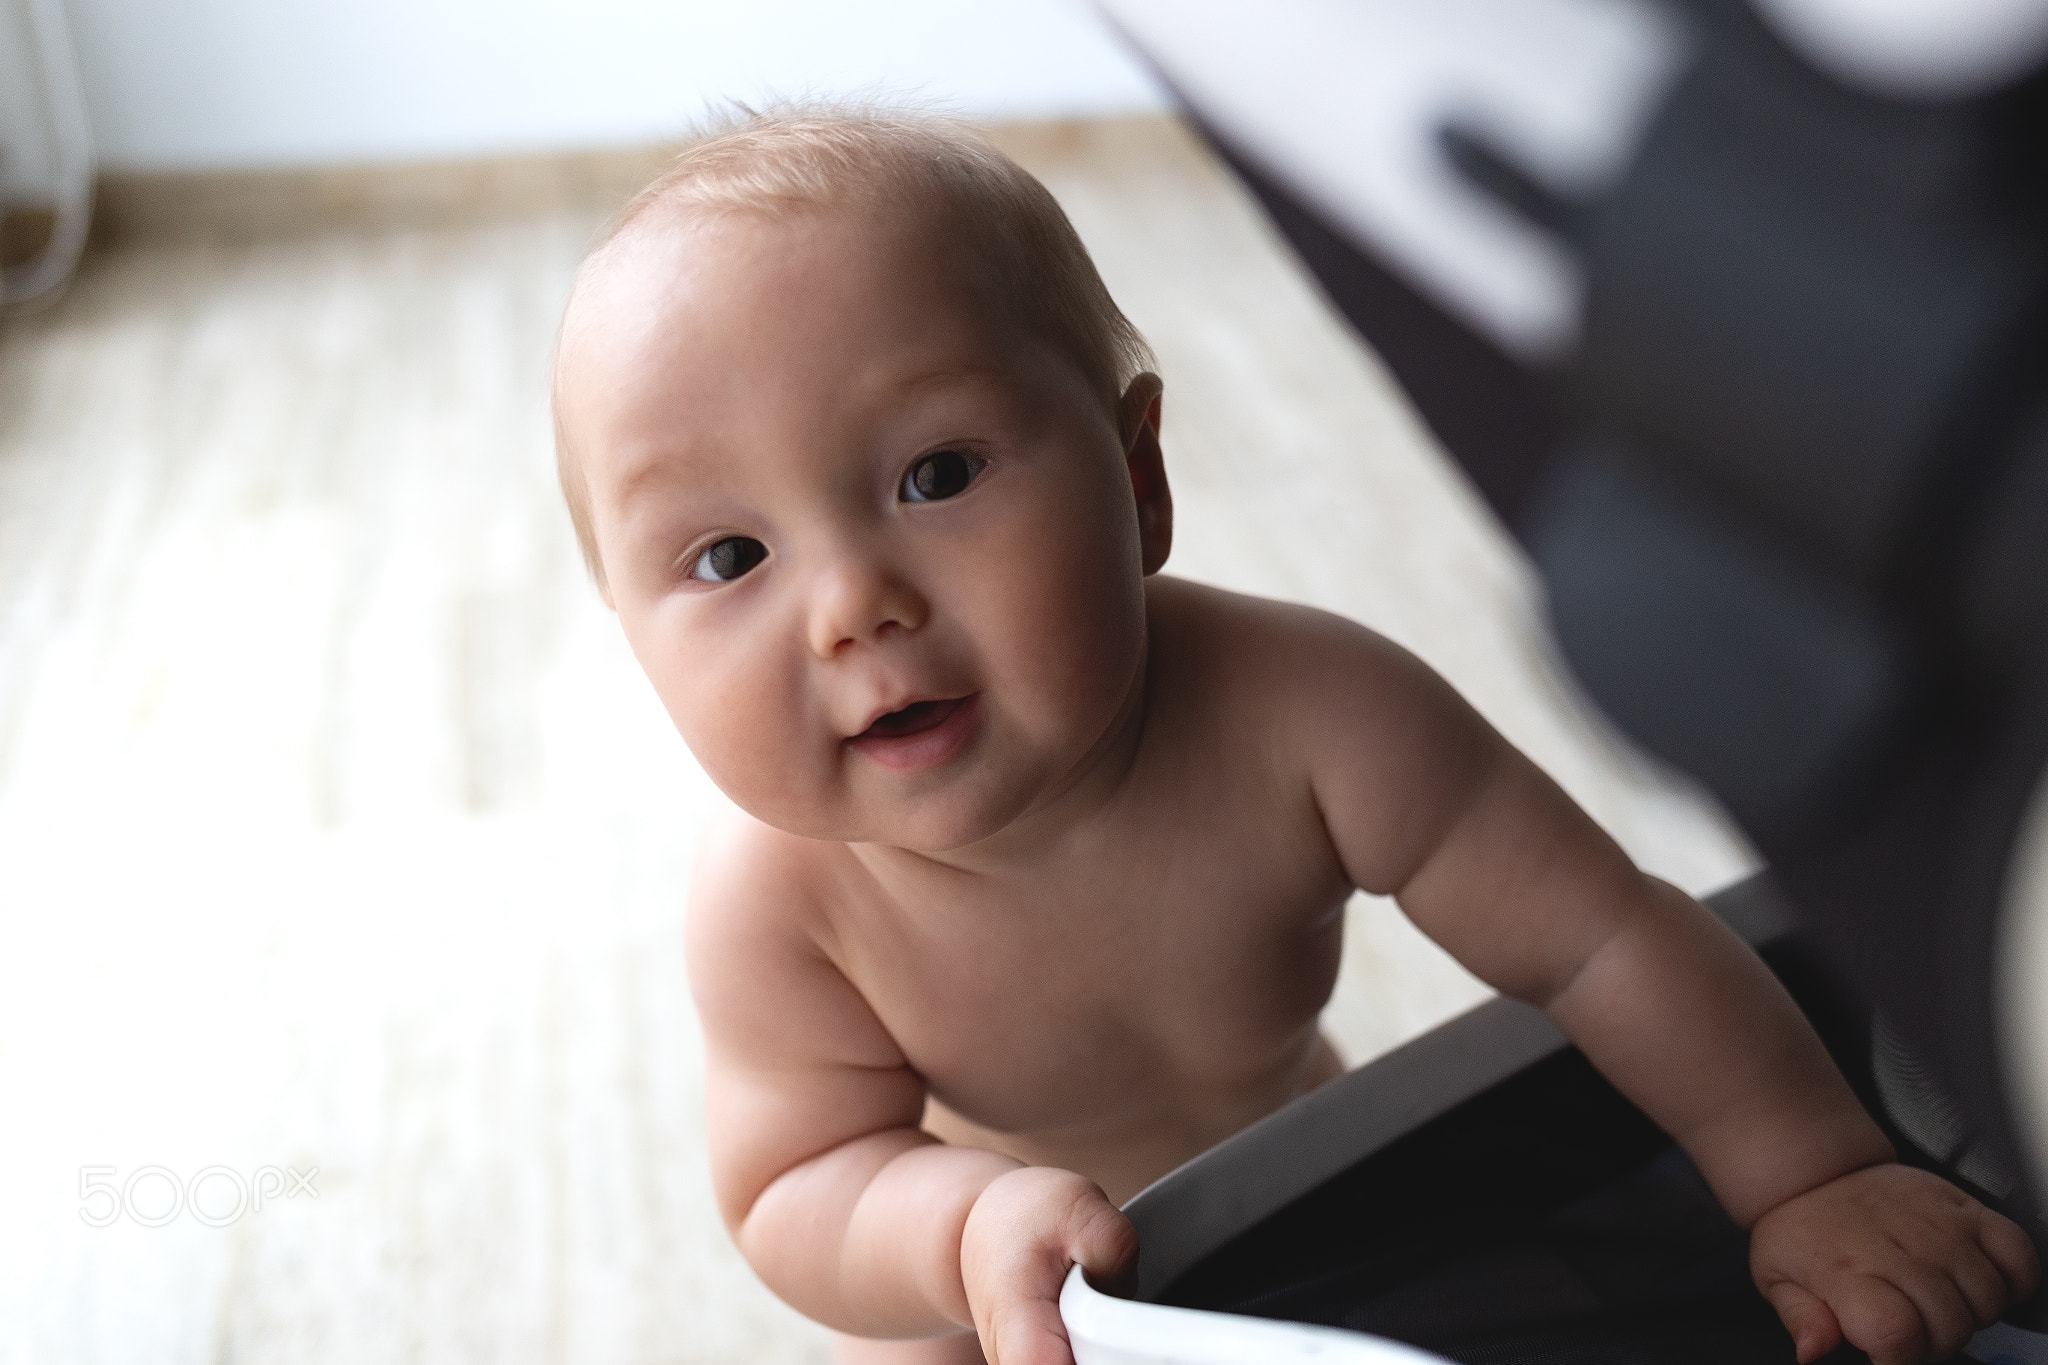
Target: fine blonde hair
[{"x": 876, "y": 158}]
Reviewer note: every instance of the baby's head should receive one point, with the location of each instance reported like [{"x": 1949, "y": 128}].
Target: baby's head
[{"x": 866, "y": 459}]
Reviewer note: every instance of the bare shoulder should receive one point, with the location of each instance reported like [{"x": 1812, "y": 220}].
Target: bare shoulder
[
  {"x": 1313, "y": 660},
  {"x": 1386, "y": 744},
  {"x": 755, "y": 935},
  {"x": 750, "y": 882}
]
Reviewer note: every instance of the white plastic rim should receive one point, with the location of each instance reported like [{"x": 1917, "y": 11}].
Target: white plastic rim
[
  {"x": 2021, "y": 986},
  {"x": 1109, "y": 1331}
]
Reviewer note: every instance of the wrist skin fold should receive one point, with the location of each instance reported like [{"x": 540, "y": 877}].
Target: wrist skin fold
[{"x": 865, "y": 1238}]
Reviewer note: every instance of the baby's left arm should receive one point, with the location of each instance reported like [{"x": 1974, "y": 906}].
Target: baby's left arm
[{"x": 1490, "y": 859}]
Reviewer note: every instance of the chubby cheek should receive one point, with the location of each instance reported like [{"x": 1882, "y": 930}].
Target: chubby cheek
[
  {"x": 738, "y": 702},
  {"x": 1067, "y": 631}
]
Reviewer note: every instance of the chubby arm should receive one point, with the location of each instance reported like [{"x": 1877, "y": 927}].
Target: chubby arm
[
  {"x": 1490, "y": 859},
  {"x": 1424, "y": 801},
  {"x": 842, "y": 1204}
]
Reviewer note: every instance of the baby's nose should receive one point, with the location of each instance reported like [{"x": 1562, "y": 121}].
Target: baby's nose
[{"x": 857, "y": 600}]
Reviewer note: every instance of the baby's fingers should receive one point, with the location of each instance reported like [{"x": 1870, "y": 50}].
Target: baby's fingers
[
  {"x": 1027, "y": 1332},
  {"x": 1808, "y": 1318},
  {"x": 1945, "y": 1311},
  {"x": 1024, "y": 1232},
  {"x": 1986, "y": 1285},
  {"x": 1881, "y": 1319},
  {"x": 2012, "y": 1251}
]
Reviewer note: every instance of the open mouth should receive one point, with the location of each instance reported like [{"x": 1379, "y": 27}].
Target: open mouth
[
  {"x": 924, "y": 734},
  {"x": 913, "y": 719}
]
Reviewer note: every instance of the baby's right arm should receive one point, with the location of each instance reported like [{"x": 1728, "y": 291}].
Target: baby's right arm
[{"x": 841, "y": 1203}]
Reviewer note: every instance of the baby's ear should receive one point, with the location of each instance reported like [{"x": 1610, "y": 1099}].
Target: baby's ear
[{"x": 1138, "y": 420}]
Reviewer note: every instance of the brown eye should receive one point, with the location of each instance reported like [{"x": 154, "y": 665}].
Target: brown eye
[
  {"x": 940, "y": 475},
  {"x": 728, "y": 559}
]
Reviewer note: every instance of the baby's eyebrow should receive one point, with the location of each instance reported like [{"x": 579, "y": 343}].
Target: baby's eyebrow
[
  {"x": 662, "y": 464},
  {"x": 637, "y": 476},
  {"x": 636, "y": 499},
  {"x": 970, "y": 372}
]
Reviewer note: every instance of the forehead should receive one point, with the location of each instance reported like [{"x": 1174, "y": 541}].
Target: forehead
[{"x": 695, "y": 323}]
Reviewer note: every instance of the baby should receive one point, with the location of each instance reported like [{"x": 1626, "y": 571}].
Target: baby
[{"x": 1040, "y": 879}]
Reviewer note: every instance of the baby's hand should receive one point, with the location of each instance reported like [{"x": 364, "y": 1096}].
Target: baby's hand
[
  {"x": 1901, "y": 1263},
  {"x": 1023, "y": 1233}
]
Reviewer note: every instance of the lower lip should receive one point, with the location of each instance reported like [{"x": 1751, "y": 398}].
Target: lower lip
[{"x": 927, "y": 748}]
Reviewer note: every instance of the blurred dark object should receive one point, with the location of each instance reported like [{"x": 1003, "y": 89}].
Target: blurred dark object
[
  {"x": 1484, "y": 1193},
  {"x": 1739, "y": 319},
  {"x": 46, "y": 161}
]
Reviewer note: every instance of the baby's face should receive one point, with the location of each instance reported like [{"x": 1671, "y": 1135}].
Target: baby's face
[{"x": 876, "y": 546}]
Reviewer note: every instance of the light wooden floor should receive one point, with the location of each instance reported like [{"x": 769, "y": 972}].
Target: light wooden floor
[{"x": 337, "y": 829}]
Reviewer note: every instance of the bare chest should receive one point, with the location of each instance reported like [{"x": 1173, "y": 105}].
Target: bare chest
[{"x": 1163, "y": 999}]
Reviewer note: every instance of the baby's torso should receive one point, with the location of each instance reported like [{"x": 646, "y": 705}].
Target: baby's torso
[
  {"x": 1135, "y": 1000},
  {"x": 1115, "y": 1034}
]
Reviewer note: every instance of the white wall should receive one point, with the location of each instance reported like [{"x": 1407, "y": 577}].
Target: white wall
[{"x": 227, "y": 83}]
